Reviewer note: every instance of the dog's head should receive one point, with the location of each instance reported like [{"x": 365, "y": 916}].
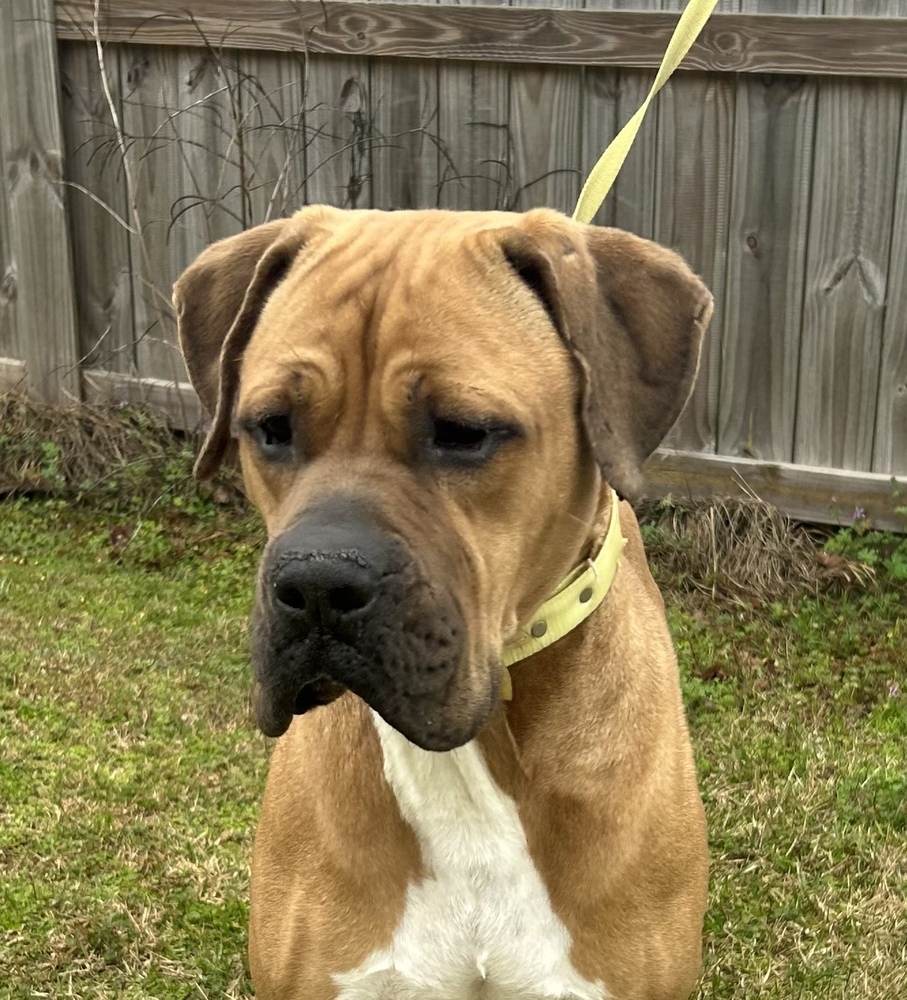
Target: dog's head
[{"x": 426, "y": 405}]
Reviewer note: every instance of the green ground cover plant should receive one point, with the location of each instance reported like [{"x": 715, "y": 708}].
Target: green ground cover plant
[{"x": 131, "y": 773}]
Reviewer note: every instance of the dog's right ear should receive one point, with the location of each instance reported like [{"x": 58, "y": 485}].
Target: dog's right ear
[
  {"x": 632, "y": 314},
  {"x": 218, "y": 300}
]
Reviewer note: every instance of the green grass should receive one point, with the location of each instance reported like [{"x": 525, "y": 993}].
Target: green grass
[{"x": 130, "y": 773}]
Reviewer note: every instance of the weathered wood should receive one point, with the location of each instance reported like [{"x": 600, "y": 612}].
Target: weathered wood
[
  {"x": 545, "y": 131},
  {"x": 889, "y": 452},
  {"x": 101, "y": 252},
  {"x": 600, "y": 120},
  {"x": 405, "y": 140},
  {"x": 545, "y": 138},
  {"x": 176, "y": 401},
  {"x": 338, "y": 120},
  {"x": 271, "y": 135},
  {"x": 695, "y": 117},
  {"x": 180, "y": 115},
  {"x": 704, "y": 177},
  {"x": 770, "y": 197},
  {"x": 631, "y": 205},
  {"x": 474, "y": 126},
  {"x": 735, "y": 43},
  {"x": 610, "y": 98},
  {"x": 9, "y": 341},
  {"x": 12, "y": 375},
  {"x": 39, "y": 265},
  {"x": 695, "y": 121},
  {"x": 847, "y": 263},
  {"x": 807, "y": 493}
]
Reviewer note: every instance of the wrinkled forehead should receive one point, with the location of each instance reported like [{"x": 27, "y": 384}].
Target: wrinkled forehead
[{"x": 406, "y": 289}]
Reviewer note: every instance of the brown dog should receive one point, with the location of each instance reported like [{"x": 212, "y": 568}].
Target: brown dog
[{"x": 428, "y": 407}]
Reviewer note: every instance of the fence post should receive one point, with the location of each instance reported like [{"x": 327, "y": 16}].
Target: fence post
[{"x": 31, "y": 143}]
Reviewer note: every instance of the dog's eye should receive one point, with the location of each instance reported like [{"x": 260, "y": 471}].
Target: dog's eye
[
  {"x": 461, "y": 442},
  {"x": 449, "y": 435},
  {"x": 274, "y": 435}
]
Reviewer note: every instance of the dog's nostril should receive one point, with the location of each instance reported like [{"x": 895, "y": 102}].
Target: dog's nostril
[
  {"x": 291, "y": 596},
  {"x": 322, "y": 603},
  {"x": 346, "y": 599}
]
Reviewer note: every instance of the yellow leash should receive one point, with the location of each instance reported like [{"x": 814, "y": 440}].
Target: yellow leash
[
  {"x": 583, "y": 591},
  {"x": 600, "y": 180}
]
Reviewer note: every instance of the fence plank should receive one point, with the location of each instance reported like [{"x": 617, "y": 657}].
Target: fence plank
[
  {"x": 545, "y": 130},
  {"x": 405, "y": 133},
  {"x": 599, "y": 115},
  {"x": 734, "y": 43},
  {"x": 890, "y": 443},
  {"x": 179, "y": 118},
  {"x": 695, "y": 122},
  {"x": 404, "y": 141},
  {"x": 770, "y": 197},
  {"x": 101, "y": 250},
  {"x": 847, "y": 264},
  {"x": 599, "y": 123},
  {"x": 692, "y": 189},
  {"x": 631, "y": 204},
  {"x": 545, "y": 137},
  {"x": 473, "y": 122},
  {"x": 32, "y": 142},
  {"x": 338, "y": 118},
  {"x": 890, "y": 440},
  {"x": 272, "y": 135},
  {"x": 9, "y": 339}
]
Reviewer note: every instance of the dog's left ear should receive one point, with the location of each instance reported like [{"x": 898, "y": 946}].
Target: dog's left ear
[
  {"x": 218, "y": 300},
  {"x": 633, "y": 315}
]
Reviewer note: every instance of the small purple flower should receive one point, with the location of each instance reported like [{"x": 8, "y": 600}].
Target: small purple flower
[
  {"x": 894, "y": 689},
  {"x": 859, "y": 514}
]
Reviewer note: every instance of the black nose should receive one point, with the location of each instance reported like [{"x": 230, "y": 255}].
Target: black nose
[
  {"x": 325, "y": 588},
  {"x": 328, "y": 570}
]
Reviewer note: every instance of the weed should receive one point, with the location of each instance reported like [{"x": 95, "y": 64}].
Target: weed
[{"x": 884, "y": 551}]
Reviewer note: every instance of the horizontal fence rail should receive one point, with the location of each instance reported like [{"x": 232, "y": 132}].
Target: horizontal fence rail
[{"x": 734, "y": 43}]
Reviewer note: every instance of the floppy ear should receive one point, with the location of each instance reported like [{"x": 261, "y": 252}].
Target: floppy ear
[
  {"x": 218, "y": 300},
  {"x": 633, "y": 315}
]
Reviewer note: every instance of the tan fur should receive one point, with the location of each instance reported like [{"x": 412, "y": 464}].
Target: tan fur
[{"x": 594, "y": 746}]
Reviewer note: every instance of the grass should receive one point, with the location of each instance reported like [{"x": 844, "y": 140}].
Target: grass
[{"x": 130, "y": 773}]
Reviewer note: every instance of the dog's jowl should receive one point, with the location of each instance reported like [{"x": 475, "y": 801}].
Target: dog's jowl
[{"x": 483, "y": 786}]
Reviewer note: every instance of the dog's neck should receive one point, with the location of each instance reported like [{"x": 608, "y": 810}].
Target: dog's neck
[
  {"x": 576, "y": 597},
  {"x": 585, "y": 674}
]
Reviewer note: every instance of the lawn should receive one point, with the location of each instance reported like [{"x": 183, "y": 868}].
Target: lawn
[{"x": 130, "y": 772}]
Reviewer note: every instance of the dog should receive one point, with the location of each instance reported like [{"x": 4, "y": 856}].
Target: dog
[{"x": 484, "y": 785}]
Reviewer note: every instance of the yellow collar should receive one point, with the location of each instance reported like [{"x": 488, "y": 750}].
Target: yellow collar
[{"x": 575, "y": 598}]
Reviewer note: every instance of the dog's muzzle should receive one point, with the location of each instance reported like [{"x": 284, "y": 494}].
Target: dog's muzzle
[{"x": 342, "y": 606}]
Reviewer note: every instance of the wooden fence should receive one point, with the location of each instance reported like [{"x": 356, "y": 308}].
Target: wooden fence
[{"x": 132, "y": 134}]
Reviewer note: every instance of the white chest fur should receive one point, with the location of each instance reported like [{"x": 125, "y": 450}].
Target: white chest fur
[{"x": 480, "y": 924}]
